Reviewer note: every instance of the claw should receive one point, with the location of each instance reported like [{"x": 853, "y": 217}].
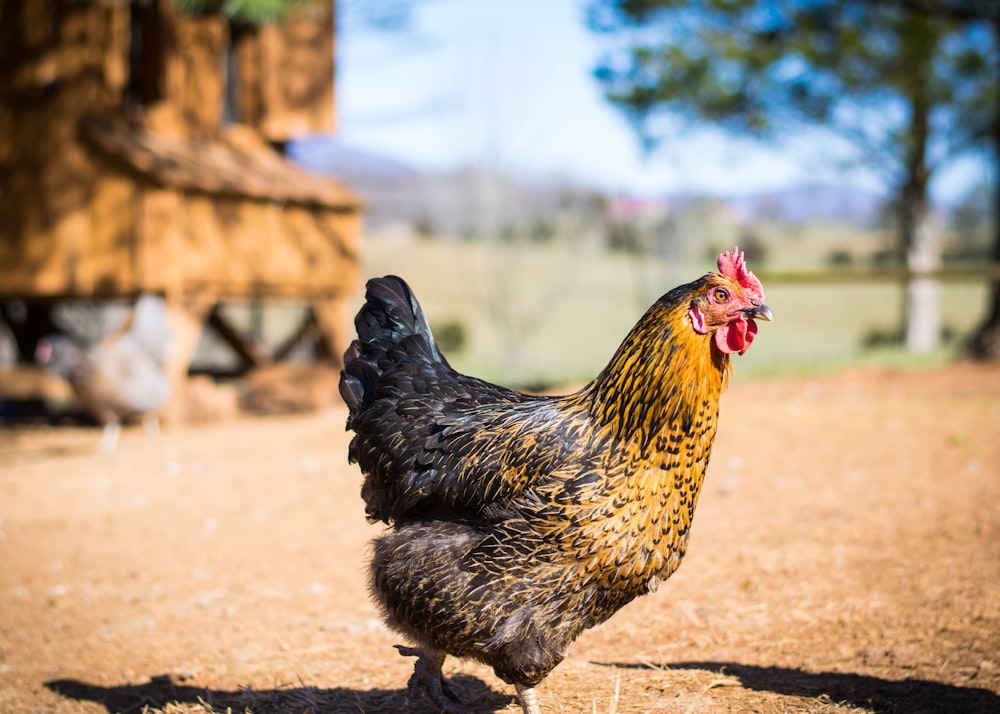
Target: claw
[{"x": 427, "y": 676}]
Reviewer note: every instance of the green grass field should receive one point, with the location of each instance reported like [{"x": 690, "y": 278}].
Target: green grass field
[{"x": 551, "y": 315}]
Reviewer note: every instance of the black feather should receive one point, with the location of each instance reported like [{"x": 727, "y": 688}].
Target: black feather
[{"x": 518, "y": 521}]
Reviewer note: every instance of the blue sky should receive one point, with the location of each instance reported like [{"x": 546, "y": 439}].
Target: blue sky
[{"x": 507, "y": 85}]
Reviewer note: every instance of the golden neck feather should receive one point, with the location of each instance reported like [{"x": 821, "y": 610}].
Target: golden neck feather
[{"x": 662, "y": 374}]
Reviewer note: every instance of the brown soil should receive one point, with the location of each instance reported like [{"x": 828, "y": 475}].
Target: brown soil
[{"x": 845, "y": 557}]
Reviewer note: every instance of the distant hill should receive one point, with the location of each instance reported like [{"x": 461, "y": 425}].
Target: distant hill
[
  {"x": 327, "y": 155},
  {"x": 397, "y": 193},
  {"x": 391, "y": 189},
  {"x": 811, "y": 203}
]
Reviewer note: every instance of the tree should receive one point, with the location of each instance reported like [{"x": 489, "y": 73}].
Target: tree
[
  {"x": 985, "y": 342},
  {"x": 254, "y": 12},
  {"x": 911, "y": 83}
]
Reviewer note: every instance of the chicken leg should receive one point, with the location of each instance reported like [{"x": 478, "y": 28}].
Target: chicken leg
[
  {"x": 527, "y": 699},
  {"x": 110, "y": 435},
  {"x": 427, "y": 676}
]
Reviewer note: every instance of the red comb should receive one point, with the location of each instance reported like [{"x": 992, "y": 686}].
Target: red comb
[{"x": 733, "y": 265}]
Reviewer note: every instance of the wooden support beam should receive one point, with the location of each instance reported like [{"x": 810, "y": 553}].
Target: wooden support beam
[
  {"x": 251, "y": 353},
  {"x": 330, "y": 315},
  {"x": 187, "y": 319},
  {"x": 308, "y": 328}
]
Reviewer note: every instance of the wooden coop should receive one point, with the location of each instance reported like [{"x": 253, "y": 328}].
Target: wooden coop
[{"x": 141, "y": 151}]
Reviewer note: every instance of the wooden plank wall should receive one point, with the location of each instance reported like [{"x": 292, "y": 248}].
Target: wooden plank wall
[
  {"x": 76, "y": 223},
  {"x": 285, "y": 75},
  {"x": 241, "y": 248},
  {"x": 195, "y": 71},
  {"x": 59, "y": 61}
]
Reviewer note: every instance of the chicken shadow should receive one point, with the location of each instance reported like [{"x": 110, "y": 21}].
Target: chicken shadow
[
  {"x": 882, "y": 696},
  {"x": 163, "y": 691}
]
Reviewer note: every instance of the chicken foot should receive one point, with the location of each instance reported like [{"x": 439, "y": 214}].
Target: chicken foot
[{"x": 427, "y": 676}]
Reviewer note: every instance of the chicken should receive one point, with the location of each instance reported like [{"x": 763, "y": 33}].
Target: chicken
[
  {"x": 123, "y": 375},
  {"x": 518, "y": 521}
]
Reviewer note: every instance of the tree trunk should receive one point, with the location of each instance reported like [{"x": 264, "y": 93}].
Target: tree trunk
[
  {"x": 923, "y": 293},
  {"x": 922, "y": 318},
  {"x": 985, "y": 342}
]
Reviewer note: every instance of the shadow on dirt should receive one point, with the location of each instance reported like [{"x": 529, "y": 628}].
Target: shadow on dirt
[
  {"x": 164, "y": 691},
  {"x": 883, "y": 696}
]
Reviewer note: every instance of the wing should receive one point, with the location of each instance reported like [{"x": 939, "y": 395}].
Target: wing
[
  {"x": 428, "y": 439},
  {"x": 454, "y": 445}
]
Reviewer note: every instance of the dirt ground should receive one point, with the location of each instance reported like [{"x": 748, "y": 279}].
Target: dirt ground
[{"x": 845, "y": 557}]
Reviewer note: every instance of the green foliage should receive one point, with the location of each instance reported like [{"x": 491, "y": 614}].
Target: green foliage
[
  {"x": 866, "y": 69},
  {"x": 451, "y": 336},
  {"x": 250, "y": 11}
]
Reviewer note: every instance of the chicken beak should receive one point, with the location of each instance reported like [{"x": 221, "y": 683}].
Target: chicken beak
[{"x": 760, "y": 312}]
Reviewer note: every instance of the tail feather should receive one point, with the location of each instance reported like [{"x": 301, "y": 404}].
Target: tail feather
[
  {"x": 391, "y": 312},
  {"x": 389, "y": 325}
]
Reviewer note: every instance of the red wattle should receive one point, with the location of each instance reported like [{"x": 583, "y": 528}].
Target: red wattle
[{"x": 736, "y": 336}]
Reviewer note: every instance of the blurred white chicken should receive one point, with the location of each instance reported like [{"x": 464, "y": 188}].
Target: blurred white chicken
[{"x": 122, "y": 376}]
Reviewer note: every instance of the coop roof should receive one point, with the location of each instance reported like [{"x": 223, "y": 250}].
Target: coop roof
[{"x": 235, "y": 164}]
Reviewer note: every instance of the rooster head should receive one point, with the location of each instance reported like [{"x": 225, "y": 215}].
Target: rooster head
[{"x": 728, "y": 303}]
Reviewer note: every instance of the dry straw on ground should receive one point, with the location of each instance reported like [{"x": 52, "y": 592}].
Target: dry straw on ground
[{"x": 845, "y": 558}]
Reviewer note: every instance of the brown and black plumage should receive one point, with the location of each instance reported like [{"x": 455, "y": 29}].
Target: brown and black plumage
[{"x": 517, "y": 521}]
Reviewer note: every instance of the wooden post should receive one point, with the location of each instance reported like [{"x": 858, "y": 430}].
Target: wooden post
[
  {"x": 187, "y": 319},
  {"x": 330, "y": 312}
]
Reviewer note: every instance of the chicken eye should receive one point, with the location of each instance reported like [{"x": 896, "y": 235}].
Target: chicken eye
[{"x": 720, "y": 295}]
